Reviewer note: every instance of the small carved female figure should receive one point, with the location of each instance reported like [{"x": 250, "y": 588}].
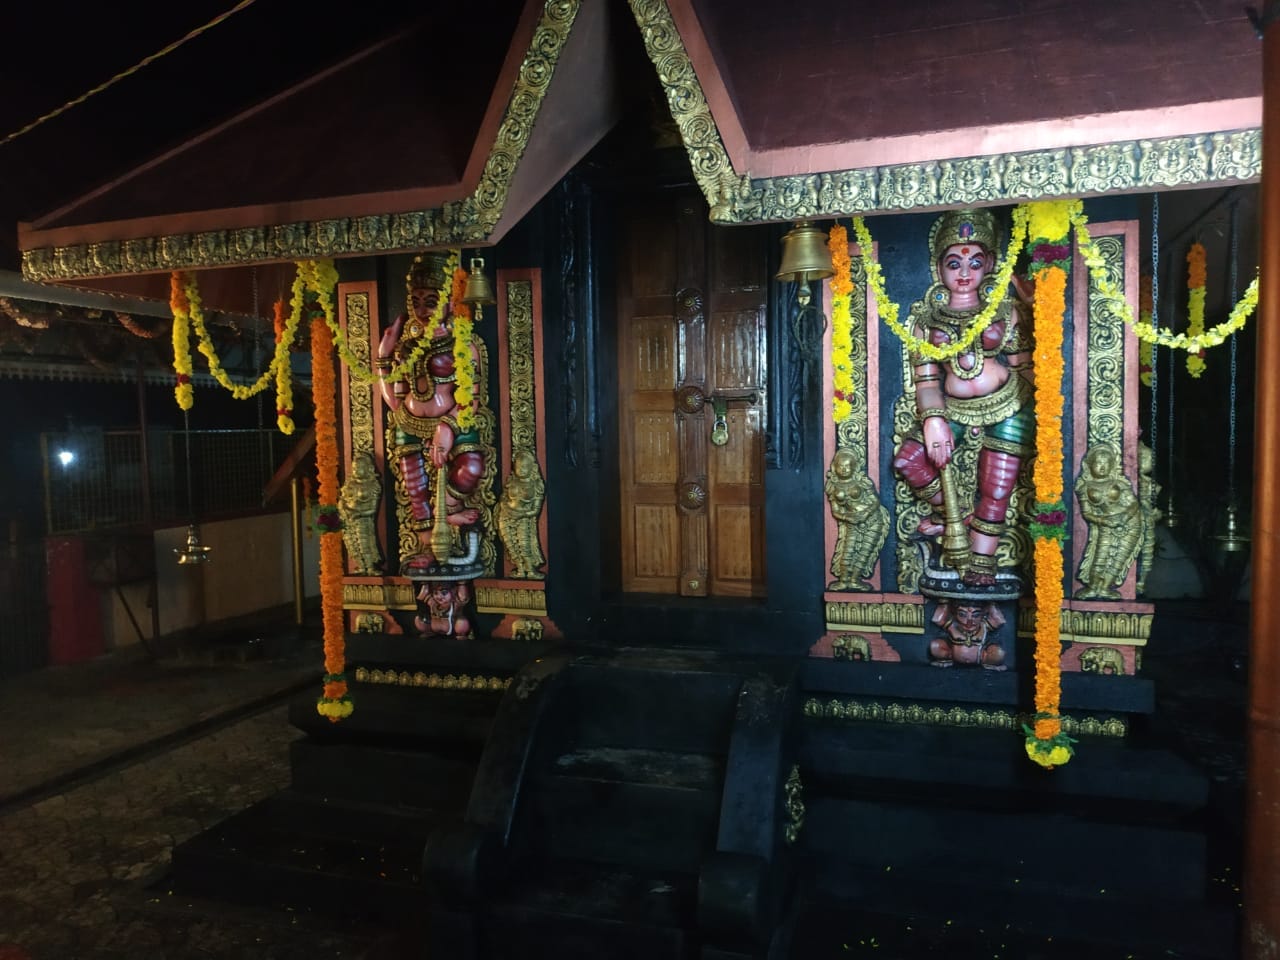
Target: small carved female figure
[
  {"x": 1110, "y": 507},
  {"x": 522, "y": 497},
  {"x": 357, "y": 506},
  {"x": 862, "y": 523}
]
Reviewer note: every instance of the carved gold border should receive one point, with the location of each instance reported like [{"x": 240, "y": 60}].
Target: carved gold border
[
  {"x": 457, "y": 223},
  {"x": 875, "y": 615},
  {"x": 1068, "y": 171},
  {"x": 1094, "y": 626},
  {"x": 432, "y": 681},
  {"x": 514, "y": 600},
  {"x": 938, "y": 716},
  {"x": 360, "y": 397},
  {"x": 378, "y": 596}
]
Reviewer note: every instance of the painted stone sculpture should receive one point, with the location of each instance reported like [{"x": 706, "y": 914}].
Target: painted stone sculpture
[{"x": 983, "y": 391}]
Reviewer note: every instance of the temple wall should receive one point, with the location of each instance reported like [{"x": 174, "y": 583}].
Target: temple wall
[{"x": 251, "y": 571}]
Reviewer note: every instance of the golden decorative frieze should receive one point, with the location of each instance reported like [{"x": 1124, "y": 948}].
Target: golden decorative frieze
[
  {"x": 875, "y": 616},
  {"x": 359, "y": 396},
  {"x": 458, "y": 223},
  {"x": 520, "y": 372},
  {"x": 908, "y": 185},
  {"x": 386, "y": 595},
  {"x": 370, "y": 623},
  {"x": 972, "y": 179},
  {"x": 1094, "y": 626},
  {"x": 1106, "y": 351},
  {"x": 1111, "y": 166},
  {"x": 1174, "y": 162},
  {"x": 432, "y": 681},
  {"x": 515, "y": 600},
  {"x": 938, "y": 716},
  {"x": 1030, "y": 176}
]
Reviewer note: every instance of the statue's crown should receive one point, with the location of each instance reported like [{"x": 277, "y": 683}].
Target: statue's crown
[
  {"x": 427, "y": 271},
  {"x": 964, "y": 226}
]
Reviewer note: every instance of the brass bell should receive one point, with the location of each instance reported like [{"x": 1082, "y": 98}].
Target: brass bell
[
  {"x": 805, "y": 255},
  {"x": 194, "y": 551},
  {"x": 479, "y": 291},
  {"x": 1233, "y": 537}
]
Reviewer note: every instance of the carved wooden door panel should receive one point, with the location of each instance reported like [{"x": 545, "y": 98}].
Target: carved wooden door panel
[{"x": 691, "y": 402}]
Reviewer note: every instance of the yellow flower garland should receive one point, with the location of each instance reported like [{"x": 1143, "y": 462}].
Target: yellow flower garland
[
  {"x": 464, "y": 377},
  {"x": 841, "y": 325},
  {"x": 183, "y": 392},
  {"x": 1146, "y": 355},
  {"x": 1195, "y": 304},
  {"x": 889, "y": 310},
  {"x": 359, "y": 371},
  {"x": 1160, "y": 335}
]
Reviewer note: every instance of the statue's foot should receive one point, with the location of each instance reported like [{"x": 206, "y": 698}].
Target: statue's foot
[
  {"x": 420, "y": 562},
  {"x": 464, "y": 518}
]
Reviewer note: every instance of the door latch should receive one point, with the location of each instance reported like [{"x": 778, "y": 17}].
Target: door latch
[{"x": 719, "y": 425}]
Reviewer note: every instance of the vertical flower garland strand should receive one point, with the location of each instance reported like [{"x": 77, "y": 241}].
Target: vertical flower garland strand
[
  {"x": 1050, "y": 226},
  {"x": 336, "y": 701},
  {"x": 1144, "y": 315},
  {"x": 183, "y": 392},
  {"x": 463, "y": 365},
  {"x": 1195, "y": 305},
  {"x": 841, "y": 325}
]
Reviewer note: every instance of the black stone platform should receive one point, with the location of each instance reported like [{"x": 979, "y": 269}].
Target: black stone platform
[
  {"x": 627, "y": 805},
  {"x": 365, "y": 793}
]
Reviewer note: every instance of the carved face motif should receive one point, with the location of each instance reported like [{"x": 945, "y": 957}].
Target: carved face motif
[
  {"x": 1101, "y": 462},
  {"x": 962, "y": 267},
  {"x": 524, "y": 464},
  {"x": 842, "y": 465},
  {"x": 968, "y": 618}
]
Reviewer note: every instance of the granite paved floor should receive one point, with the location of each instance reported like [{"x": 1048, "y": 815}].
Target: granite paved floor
[{"x": 106, "y": 767}]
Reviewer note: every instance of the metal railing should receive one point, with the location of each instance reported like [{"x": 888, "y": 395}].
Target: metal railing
[{"x": 101, "y": 479}]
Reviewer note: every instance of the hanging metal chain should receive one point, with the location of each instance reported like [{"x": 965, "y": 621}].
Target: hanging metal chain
[
  {"x": 1169, "y": 438},
  {"x": 1231, "y": 406},
  {"x": 1153, "y": 422}
]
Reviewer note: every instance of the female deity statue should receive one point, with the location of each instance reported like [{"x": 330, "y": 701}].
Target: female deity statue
[
  {"x": 983, "y": 392},
  {"x": 522, "y": 497},
  {"x": 1110, "y": 507},
  {"x": 424, "y": 411},
  {"x": 862, "y": 523}
]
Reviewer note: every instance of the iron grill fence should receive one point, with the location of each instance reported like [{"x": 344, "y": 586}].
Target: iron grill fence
[{"x": 95, "y": 479}]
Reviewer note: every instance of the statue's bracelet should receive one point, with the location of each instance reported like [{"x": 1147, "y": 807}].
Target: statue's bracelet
[
  {"x": 932, "y": 412},
  {"x": 384, "y": 363}
]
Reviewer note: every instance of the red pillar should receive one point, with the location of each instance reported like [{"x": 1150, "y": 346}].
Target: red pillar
[{"x": 1262, "y": 807}]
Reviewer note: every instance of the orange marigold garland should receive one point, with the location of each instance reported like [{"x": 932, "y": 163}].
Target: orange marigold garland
[
  {"x": 1195, "y": 305},
  {"x": 841, "y": 325},
  {"x": 1046, "y": 743},
  {"x": 182, "y": 391},
  {"x": 335, "y": 703}
]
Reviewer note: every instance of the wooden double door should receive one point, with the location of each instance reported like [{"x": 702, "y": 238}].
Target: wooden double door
[{"x": 692, "y": 366}]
